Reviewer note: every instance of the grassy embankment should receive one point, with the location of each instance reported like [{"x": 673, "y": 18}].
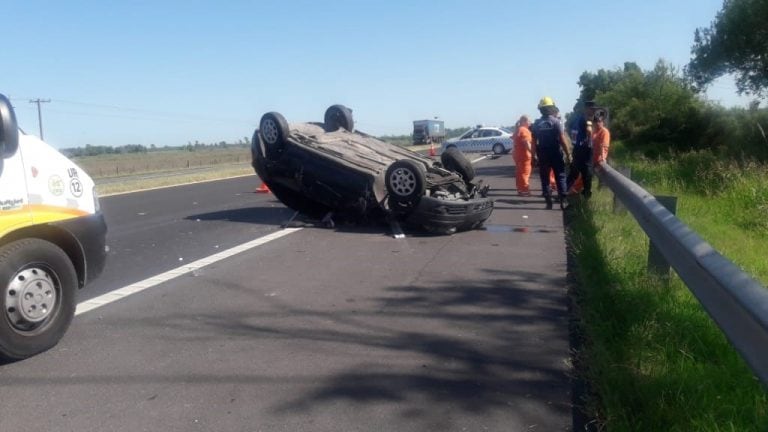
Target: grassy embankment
[
  {"x": 655, "y": 360},
  {"x": 136, "y": 171}
]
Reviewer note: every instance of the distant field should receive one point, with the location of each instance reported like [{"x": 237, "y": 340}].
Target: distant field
[{"x": 118, "y": 165}]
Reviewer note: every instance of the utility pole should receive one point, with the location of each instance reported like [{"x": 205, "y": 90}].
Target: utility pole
[{"x": 38, "y": 101}]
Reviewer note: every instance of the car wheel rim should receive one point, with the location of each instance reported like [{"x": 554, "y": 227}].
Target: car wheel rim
[
  {"x": 269, "y": 130},
  {"x": 403, "y": 182},
  {"x": 31, "y": 298},
  {"x": 497, "y": 149}
]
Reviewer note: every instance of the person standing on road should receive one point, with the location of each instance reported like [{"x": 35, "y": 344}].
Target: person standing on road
[
  {"x": 550, "y": 145},
  {"x": 581, "y": 138},
  {"x": 523, "y": 156}
]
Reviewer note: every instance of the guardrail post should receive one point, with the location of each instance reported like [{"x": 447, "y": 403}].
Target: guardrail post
[
  {"x": 657, "y": 264},
  {"x": 618, "y": 207}
]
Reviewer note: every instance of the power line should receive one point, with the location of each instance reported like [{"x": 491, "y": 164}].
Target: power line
[{"x": 38, "y": 101}]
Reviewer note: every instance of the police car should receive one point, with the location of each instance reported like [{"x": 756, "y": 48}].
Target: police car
[{"x": 482, "y": 139}]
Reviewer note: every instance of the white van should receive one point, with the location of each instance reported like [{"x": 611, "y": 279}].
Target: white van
[{"x": 52, "y": 240}]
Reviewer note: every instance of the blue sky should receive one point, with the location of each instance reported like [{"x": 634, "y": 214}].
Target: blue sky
[{"x": 169, "y": 72}]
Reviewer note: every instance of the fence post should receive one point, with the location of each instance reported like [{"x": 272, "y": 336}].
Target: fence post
[
  {"x": 657, "y": 264},
  {"x": 618, "y": 207}
]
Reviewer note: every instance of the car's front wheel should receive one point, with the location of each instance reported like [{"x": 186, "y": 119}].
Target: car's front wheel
[
  {"x": 274, "y": 131},
  {"x": 37, "y": 297},
  {"x": 405, "y": 181}
]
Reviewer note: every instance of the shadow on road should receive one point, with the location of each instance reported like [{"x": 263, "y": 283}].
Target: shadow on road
[
  {"x": 258, "y": 215},
  {"x": 493, "y": 345}
]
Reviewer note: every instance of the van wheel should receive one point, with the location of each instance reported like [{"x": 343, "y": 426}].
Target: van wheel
[
  {"x": 274, "y": 131},
  {"x": 498, "y": 149},
  {"x": 338, "y": 116},
  {"x": 454, "y": 160},
  {"x": 39, "y": 285},
  {"x": 405, "y": 181}
]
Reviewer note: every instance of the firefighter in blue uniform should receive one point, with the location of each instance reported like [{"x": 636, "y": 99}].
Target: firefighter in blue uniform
[
  {"x": 549, "y": 146},
  {"x": 581, "y": 139}
]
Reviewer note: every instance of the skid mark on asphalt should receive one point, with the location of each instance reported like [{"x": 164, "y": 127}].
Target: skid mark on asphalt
[{"x": 152, "y": 281}]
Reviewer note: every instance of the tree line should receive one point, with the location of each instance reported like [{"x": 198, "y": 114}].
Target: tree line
[
  {"x": 662, "y": 111},
  {"x": 95, "y": 150}
]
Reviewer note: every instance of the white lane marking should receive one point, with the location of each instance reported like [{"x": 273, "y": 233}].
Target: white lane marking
[
  {"x": 155, "y": 280},
  {"x": 479, "y": 159}
]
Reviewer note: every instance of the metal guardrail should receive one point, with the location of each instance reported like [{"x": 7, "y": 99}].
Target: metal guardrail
[{"x": 735, "y": 301}]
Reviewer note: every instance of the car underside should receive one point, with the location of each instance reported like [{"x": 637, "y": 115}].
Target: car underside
[{"x": 329, "y": 169}]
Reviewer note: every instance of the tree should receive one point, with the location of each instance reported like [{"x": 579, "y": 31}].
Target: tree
[
  {"x": 592, "y": 83},
  {"x": 654, "y": 109},
  {"x": 735, "y": 42}
]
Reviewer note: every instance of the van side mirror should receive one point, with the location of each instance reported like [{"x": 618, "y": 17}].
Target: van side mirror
[{"x": 9, "y": 129}]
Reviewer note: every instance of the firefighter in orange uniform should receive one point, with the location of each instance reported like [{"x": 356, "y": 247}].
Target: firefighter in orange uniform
[
  {"x": 601, "y": 141},
  {"x": 523, "y": 155}
]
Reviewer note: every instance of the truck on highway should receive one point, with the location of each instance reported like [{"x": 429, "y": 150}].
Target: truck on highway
[
  {"x": 52, "y": 240},
  {"x": 428, "y": 131}
]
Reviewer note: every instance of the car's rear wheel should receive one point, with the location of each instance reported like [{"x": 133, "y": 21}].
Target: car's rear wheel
[
  {"x": 406, "y": 182},
  {"x": 498, "y": 149},
  {"x": 454, "y": 160},
  {"x": 339, "y": 116},
  {"x": 274, "y": 131}
]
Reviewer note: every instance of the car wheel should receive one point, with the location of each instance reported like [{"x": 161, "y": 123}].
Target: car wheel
[
  {"x": 405, "y": 181},
  {"x": 274, "y": 131},
  {"x": 39, "y": 284},
  {"x": 298, "y": 201},
  {"x": 454, "y": 160},
  {"x": 498, "y": 149},
  {"x": 339, "y": 116}
]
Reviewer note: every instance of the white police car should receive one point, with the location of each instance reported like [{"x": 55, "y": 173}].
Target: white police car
[{"x": 483, "y": 139}]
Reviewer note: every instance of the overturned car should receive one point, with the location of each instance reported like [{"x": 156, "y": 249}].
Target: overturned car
[{"x": 329, "y": 169}]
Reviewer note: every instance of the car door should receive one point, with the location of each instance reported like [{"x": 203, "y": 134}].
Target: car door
[
  {"x": 487, "y": 139},
  {"x": 467, "y": 141}
]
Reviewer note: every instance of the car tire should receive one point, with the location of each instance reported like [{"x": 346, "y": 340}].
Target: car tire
[
  {"x": 37, "y": 299},
  {"x": 338, "y": 116},
  {"x": 274, "y": 131},
  {"x": 454, "y": 160},
  {"x": 405, "y": 181},
  {"x": 498, "y": 149},
  {"x": 298, "y": 201}
]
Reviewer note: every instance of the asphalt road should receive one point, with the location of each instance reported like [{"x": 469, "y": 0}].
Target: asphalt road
[{"x": 320, "y": 330}]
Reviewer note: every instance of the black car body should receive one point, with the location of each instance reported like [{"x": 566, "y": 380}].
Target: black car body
[{"x": 322, "y": 168}]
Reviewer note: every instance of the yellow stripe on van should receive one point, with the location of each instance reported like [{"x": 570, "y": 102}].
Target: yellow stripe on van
[
  {"x": 42, "y": 213},
  {"x": 35, "y": 214}
]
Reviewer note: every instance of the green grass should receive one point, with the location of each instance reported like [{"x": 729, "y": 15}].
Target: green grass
[
  {"x": 113, "y": 165},
  {"x": 654, "y": 359},
  {"x": 137, "y": 183}
]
